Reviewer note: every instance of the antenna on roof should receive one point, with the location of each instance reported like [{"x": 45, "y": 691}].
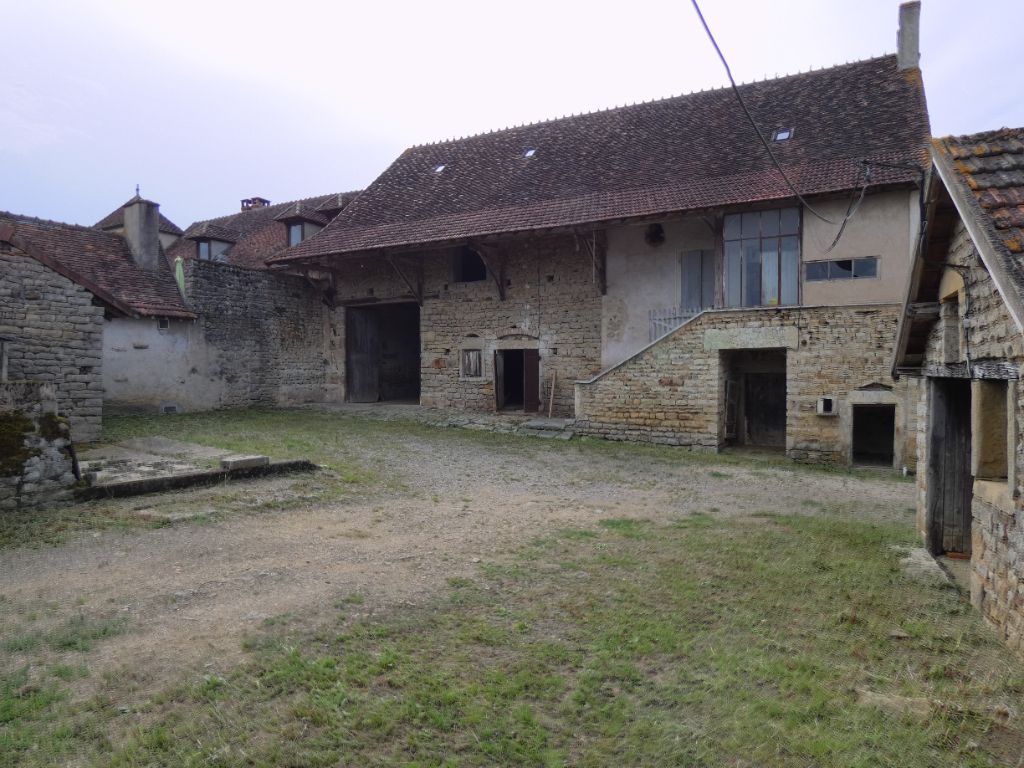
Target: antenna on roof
[{"x": 136, "y": 190}]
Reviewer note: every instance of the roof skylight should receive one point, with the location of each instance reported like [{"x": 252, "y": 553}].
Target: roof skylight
[
  {"x": 438, "y": 168},
  {"x": 530, "y": 152},
  {"x": 782, "y": 134}
]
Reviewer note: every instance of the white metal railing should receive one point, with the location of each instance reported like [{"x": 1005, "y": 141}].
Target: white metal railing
[{"x": 668, "y": 319}]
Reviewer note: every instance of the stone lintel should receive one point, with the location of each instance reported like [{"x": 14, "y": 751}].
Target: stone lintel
[{"x": 751, "y": 338}]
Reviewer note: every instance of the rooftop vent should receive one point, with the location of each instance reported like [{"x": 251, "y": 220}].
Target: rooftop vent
[{"x": 254, "y": 202}]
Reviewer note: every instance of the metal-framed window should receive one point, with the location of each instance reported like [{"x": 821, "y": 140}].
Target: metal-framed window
[
  {"x": 762, "y": 258},
  {"x": 212, "y": 250},
  {"x": 841, "y": 269}
]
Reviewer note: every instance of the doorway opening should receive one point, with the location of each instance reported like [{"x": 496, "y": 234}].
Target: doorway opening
[
  {"x": 755, "y": 397},
  {"x": 950, "y": 484},
  {"x": 517, "y": 380},
  {"x": 383, "y": 353},
  {"x": 874, "y": 435}
]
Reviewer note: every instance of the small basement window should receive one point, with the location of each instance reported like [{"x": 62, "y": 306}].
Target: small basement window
[
  {"x": 468, "y": 266},
  {"x": 472, "y": 363}
]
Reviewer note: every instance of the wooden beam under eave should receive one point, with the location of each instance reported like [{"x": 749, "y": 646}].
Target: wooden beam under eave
[
  {"x": 491, "y": 255},
  {"x": 416, "y": 288}
]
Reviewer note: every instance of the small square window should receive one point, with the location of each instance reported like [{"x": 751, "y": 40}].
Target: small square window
[
  {"x": 163, "y": 324},
  {"x": 817, "y": 271},
  {"x": 472, "y": 363}
]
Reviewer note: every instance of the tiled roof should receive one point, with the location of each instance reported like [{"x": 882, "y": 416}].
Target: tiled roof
[
  {"x": 98, "y": 261},
  {"x": 338, "y": 201},
  {"x": 683, "y": 153},
  {"x": 302, "y": 211},
  {"x": 115, "y": 220},
  {"x": 256, "y": 233}
]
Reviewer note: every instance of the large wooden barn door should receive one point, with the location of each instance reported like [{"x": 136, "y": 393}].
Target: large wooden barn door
[
  {"x": 949, "y": 468},
  {"x": 363, "y": 358}
]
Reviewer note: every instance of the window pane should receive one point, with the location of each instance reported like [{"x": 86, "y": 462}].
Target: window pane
[
  {"x": 733, "y": 272},
  {"x": 751, "y": 225},
  {"x": 790, "y": 278},
  {"x": 770, "y": 273},
  {"x": 817, "y": 270},
  {"x": 691, "y": 280},
  {"x": 769, "y": 223},
  {"x": 866, "y": 267},
  {"x": 790, "y": 221},
  {"x": 751, "y": 273},
  {"x": 732, "y": 226},
  {"x": 840, "y": 270},
  {"x": 294, "y": 234},
  {"x": 707, "y": 278},
  {"x": 204, "y": 250}
]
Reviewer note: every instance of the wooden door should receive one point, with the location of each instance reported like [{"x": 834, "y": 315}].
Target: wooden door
[
  {"x": 363, "y": 359},
  {"x": 499, "y": 380},
  {"x": 531, "y": 380},
  {"x": 949, "y": 467}
]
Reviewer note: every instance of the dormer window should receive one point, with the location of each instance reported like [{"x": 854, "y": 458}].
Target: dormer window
[
  {"x": 208, "y": 249},
  {"x": 301, "y": 230},
  {"x": 782, "y": 134}
]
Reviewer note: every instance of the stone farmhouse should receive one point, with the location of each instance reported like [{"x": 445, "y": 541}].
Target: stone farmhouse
[
  {"x": 647, "y": 271},
  {"x": 961, "y": 334}
]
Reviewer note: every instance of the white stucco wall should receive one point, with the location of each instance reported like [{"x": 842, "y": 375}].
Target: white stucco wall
[
  {"x": 885, "y": 226},
  {"x": 145, "y": 367},
  {"x": 642, "y": 277}
]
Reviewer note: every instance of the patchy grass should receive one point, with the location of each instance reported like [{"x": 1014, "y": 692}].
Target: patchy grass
[{"x": 703, "y": 642}]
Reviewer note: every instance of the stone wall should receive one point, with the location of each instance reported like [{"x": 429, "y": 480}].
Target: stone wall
[
  {"x": 673, "y": 392},
  {"x": 990, "y": 340},
  {"x": 56, "y": 333},
  {"x": 35, "y": 466},
  {"x": 261, "y": 339},
  {"x": 551, "y": 304}
]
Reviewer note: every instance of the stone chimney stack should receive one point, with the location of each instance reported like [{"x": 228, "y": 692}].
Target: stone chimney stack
[
  {"x": 908, "y": 39},
  {"x": 142, "y": 231}
]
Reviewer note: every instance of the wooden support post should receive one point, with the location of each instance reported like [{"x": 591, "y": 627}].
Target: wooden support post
[{"x": 597, "y": 246}]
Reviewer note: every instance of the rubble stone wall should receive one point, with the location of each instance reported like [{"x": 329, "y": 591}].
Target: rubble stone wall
[
  {"x": 56, "y": 333},
  {"x": 673, "y": 392}
]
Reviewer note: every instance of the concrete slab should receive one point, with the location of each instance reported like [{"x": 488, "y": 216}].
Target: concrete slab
[
  {"x": 236, "y": 461},
  {"x": 919, "y": 565},
  {"x": 165, "y": 446}
]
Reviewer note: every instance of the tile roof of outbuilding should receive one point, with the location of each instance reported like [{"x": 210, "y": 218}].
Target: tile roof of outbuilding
[
  {"x": 683, "y": 153},
  {"x": 115, "y": 220},
  {"x": 100, "y": 262}
]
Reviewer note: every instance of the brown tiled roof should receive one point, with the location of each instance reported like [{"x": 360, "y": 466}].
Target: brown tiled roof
[
  {"x": 683, "y": 153},
  {"x": 115, "y": 220},
  {"x": 338, "y": 201},
  {"x": 98, "y": 261},
  {"x": 256, "y": 233},
  {"x": 302, "y": 211}
]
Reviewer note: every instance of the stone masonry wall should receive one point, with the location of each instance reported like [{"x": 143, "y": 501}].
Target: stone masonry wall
[
  {"x": 551, "y": 304},
  {"x": 57, "y": 338},
  {"x": 35, "y": 467},
  {"x": 261, "y": 338},
  {"x": 989, "y": 336},
  {"x": 673, "y": 392}
]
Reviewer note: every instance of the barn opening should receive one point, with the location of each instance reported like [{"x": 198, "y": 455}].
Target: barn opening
[
  {"x": 517, "y": 380},
  {"x": 383, "y": 353},
  {"x": 949, "y": 479},
  {"x": 755, "y": 397},
  {"x": 874, "y": 435}
]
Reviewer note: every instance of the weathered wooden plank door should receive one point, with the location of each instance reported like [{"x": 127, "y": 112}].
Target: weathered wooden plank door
[
  {"x": 949, "y": 467},
  {"x": 531, "y": 380},
  {"x": 499, "y": 380},
  {"x": 363, "y": 360}
]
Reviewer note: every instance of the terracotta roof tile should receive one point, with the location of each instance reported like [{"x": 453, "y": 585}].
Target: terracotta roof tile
[
  {"x": 682, "y": 153},
  {"x": 99, "y": 261}
]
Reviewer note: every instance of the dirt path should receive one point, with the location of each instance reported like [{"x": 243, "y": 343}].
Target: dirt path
[{"x": 191, "y": 592}]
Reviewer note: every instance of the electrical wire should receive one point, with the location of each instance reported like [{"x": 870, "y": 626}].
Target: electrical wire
[{"x": 767, "y": 147}]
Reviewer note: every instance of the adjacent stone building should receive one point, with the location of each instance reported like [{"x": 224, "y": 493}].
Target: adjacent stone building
[
  {"x": 961, "y": 336},
  {"x": 648, "y": 270}
]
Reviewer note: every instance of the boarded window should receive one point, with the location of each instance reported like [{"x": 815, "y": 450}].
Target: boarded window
[
  {"x": 762, "y": 258},
  {"x": 698, "y": 280},
  {"x": 472, "y": 363}
]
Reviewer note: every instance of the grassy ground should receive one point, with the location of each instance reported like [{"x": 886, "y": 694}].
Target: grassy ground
[{"x": 704, "y": 642}]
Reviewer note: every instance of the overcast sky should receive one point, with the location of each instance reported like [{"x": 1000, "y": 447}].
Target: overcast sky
[{"x": 203, "y": 102}]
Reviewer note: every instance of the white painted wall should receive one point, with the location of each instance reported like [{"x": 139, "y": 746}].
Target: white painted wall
[{"x": 642, "y": 277}]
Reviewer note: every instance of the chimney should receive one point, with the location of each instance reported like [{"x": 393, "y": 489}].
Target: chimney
[
  {"x": 908, "y": 43},
  {"x": 142, "y": 231},
  {"x": 254, "y": 202}
]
